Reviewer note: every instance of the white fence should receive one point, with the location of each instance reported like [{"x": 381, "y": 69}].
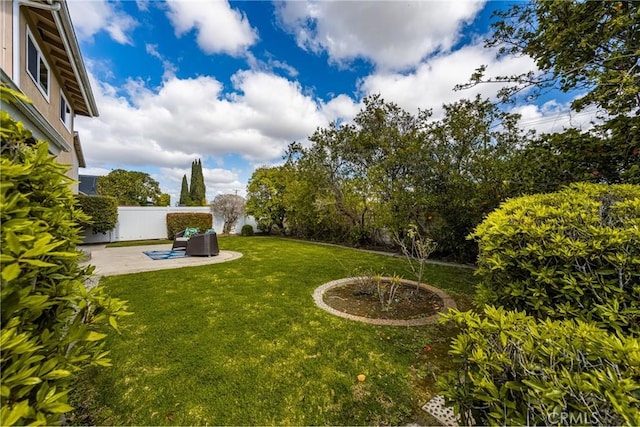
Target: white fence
[{"x": 150, "y": 222}]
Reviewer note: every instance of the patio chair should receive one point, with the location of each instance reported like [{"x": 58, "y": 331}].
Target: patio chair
[
  {"x": 203, "y": 245},
  {"x": 180, "y": 240}
]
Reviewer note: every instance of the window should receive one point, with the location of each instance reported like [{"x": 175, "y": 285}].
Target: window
[
  {"x": 37, "y": 66},
  {"x": 65, "y": 112}
]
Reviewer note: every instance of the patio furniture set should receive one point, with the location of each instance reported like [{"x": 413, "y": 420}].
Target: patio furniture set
[{"x": 195, "y": 243}]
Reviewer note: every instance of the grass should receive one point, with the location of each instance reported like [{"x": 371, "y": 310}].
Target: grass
[
  {"x": 138, "y": 243},
  {"x": 242, "y": 343}
]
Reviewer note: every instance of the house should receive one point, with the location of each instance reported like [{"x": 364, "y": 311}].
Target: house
[{"x": 41, "y": 58}]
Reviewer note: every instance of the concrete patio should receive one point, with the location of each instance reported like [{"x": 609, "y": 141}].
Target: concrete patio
[{"x": 114, "y": 261}]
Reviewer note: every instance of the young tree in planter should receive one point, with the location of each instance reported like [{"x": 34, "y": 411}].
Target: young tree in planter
[
  {"x": 416, "y": 248},
  {"x": 229, "y": 207}
]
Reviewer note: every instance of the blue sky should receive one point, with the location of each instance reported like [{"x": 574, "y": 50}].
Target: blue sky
[{"x": 234, "y": 83}]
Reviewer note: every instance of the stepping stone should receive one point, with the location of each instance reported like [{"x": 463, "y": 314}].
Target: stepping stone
[{"x": 442, "y": 413}]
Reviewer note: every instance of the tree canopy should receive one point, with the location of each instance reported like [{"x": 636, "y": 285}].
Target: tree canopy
[
  {"x": 230, "y": 207},
  {"x": 590, "y": 46},
  {"x": 132, "y": 188},
  {"x": 198, "y": 190},
  {"x": 361, "y": 181},
  {"x": 590, "y": 49},
  {"x": 194, "y": 195},
  {"x": 185, "y": 196},
  {"x": 265, "y": 193}
]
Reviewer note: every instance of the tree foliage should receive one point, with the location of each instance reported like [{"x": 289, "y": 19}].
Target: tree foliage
[
  {"x": 591, "y": 50},
  {"x": 102, "y": 210},
  {"x": 357, "y": 182},
  {"x": 364, "y": 181},
  {"x": 185, "y": 196},
  {"x": 230, "y": 207},
  {"x": 131, "y": 188},
  {"x": 570, "y": 254},
  {"x": 519, "y": 370},
  {"x": 588, "y": 46},
  {"x": 265, "y": 197},
  {"x": 52, "y": 326},
  {"x": 198, "y": 192}
]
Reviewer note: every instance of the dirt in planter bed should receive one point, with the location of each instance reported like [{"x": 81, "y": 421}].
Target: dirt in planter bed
[{"x": 409, "y": 302}]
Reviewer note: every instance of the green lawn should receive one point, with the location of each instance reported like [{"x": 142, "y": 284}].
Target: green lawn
[
  {"x": 242, "y": 343},
  {"x": 139, "y": 243}
]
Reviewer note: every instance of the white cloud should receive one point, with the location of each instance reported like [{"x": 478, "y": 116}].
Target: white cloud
[
  {"x": 553, "y": 116},
  {"x": 170, "y": 69},
  {"x": 216, "y": 180},
  {"x": 91, "y": 17},
  {"x": 143, "y": 5},
  {"x": 432, "y": 83},
  {"x": 186, "y": 119},
  {"x": 394, "y": 35},
  {"x": 270, "y": 64},
  {"x": 94, "y": 171},
  {"x": 342, "y": 107},
  {"x": 220, "y": 28}
]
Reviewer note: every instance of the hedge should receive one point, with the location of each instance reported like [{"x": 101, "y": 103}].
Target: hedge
[
  {"x": 177, "y": 222},
  {"x": 570, "y": 254},
  {"x": 247, "y": 230},
  {"x": 103, "y": 211},
  {"x": 52, "y": 326},
  {"x": 518, "y": 370}
]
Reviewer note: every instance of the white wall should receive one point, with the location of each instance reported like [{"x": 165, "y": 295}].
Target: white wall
[{"x": 150, "y": 222}]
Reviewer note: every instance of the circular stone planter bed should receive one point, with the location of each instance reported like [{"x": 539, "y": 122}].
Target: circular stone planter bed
[{"x": 347, "y": 298}]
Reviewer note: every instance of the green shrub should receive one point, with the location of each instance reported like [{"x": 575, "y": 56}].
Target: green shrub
[
  {"x": 177, "y": 222},
  {"x": 103, "y": 211},
  {"x": 516, "y": 370},
  {"x": 570, "y": 254},
  {"x": 52, "y": 326},
  {"x": 247, "y": 230}
]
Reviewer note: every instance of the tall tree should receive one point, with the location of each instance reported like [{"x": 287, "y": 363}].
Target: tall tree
[
  {"x": 185, "y": 196},
  {"x": 198, "y": 189},
  {"x": 466, "y": 171},
  {"x": 265, "y": 197},
  {"x": 131, "y": 188},
  {"x": 588, "y": 47},
  {"x": 388, "y": 169},
  {"x": 230, "y": 207},
  {"x": 591, "y": 46}
]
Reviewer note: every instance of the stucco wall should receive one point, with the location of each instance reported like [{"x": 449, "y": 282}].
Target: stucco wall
[
  {"x": 150, "y": 222},
  {"x": 6, "y": 32}
]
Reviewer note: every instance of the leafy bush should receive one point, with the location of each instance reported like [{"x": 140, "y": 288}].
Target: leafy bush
[
  {"x": 570, "y": 254},
  {"x": 177, "y": 222},
  {"x": 247, "y": 230},
  {"x": 103, "y": 211},
  {"x": 52, "y": 326},
  {"x": 517, "y": 370}
]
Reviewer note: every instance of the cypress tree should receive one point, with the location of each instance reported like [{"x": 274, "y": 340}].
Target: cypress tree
[
  {"x": 198, "y": 189},
  {"x": 192, "y": 185},
  {"x": 185, "y": 197}
]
